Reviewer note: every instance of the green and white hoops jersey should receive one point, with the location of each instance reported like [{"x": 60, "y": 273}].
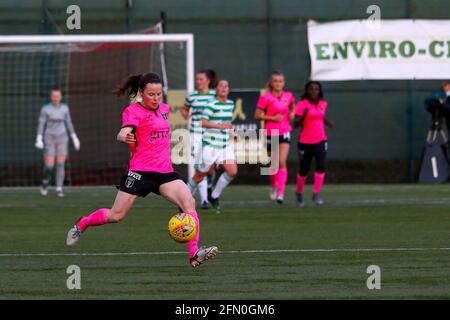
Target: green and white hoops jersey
[
  {"x": 218, "y": 112},
  {"x": 198, "y": 102}
]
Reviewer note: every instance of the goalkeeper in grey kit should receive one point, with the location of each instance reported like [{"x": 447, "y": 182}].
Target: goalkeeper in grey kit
[{"x": 52, "y": 137}]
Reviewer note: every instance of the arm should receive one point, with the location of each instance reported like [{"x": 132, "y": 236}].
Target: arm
[
  {"x": 39, "y": 144},
  {"x": 69, "y": 123},
  {"x": 209, "y": 125},
  {"x": 41, "y": 122},
  {"x": 299, "y": 119},
  {"x": 187, "y": 105},
  {"x": 328, "y": 123},
  {"x": 185, "y": 111},
  {"x": 73, "y": 135},
  {"x": 260, "y": 115},
  {"x": 126, "y": 135},
  {"x": 292, "y": 111}
]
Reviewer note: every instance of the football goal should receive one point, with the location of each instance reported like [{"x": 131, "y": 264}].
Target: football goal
[{"x": 86, "y": 68}]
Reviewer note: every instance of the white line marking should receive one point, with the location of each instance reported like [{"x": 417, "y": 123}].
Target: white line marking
[{"x": 225, "y": 252}]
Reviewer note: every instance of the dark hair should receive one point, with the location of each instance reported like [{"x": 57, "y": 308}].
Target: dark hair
[
  {"x": 274, "y": 73},
  {"x": 137, "y": 82},
  {"x": 55, "y": 88},
  {"x": 310, "y": 83},
  {"x": 212, "y": 77}
]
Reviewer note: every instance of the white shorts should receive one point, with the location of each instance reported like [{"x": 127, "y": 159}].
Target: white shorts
[
  {"x": 216, "y": 156},
  {"x": 195, "y": 140}
]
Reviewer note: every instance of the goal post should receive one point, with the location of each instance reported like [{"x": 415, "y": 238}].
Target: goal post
[{"x": 86, "y": 68}]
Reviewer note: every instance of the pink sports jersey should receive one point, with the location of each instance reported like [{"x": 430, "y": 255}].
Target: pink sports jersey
[
  {"x": 273, "y": 105},
  {"x": 152, "y": 129},
  {"x": 313, "y": 129}
]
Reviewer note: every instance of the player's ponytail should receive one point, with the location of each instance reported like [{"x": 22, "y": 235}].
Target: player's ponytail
[
  {"x": 134, "y": 83},
  {"x": 212, "y": 77}
]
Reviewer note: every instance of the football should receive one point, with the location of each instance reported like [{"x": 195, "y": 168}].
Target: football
[{"x": 182, "y": 227}]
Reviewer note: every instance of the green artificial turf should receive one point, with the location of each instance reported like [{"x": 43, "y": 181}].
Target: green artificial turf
[{"x": 268, "y": 251}]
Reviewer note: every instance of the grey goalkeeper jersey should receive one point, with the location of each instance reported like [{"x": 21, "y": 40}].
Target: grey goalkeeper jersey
[{"x": 55, "y": 121}]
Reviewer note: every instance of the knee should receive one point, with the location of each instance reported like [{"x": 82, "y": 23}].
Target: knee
[
  {"x": 232, "y": 172},
  {"x": 303, "y": 170},
  {"x": 303, "y": 173}
]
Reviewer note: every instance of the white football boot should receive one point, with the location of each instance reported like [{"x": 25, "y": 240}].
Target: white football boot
[
  {"x": 44, "y": 188},
  {"x": 203, "y": 254},
  {"x": 59, "y": 192},
  {"x": 73, "y": 236}
]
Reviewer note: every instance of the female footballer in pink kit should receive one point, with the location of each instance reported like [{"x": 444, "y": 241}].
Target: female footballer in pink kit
[
  {"x": 146, "y": 127},
  {"x": 312, "y": 142},
  {"x": 276, "y": 109}
]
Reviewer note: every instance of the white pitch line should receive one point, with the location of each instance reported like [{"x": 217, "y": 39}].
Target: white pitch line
[{"x": 226, "y": 252}]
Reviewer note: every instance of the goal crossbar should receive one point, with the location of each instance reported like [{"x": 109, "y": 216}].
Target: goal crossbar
[{"x": 182, "y": 37}]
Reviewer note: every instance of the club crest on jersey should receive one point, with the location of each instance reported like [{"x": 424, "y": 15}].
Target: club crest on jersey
[{"x": 164, "y": 115}]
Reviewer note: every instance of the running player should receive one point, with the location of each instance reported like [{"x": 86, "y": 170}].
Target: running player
[
  {"x": 146, "y": 127},
  {"x": 312, "y": 142},
  {"x": 54, "y": 122},
  {"x": 217, "y": 149},
  {"x": 276, "y": 109},
  {"x": 205, "y": 82}
]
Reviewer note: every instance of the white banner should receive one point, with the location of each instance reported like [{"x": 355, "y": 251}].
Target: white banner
[{"x": 387, "y": 49}]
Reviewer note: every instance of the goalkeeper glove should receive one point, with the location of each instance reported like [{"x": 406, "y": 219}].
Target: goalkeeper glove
[
  {"x": 76, "y": 142},
  {"x": 39, "y": 142}
]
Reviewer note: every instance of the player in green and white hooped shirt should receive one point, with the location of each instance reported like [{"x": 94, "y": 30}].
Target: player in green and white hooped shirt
[
  {"x": 217, "y": 148},
  {"x": 205, "y": 82}
]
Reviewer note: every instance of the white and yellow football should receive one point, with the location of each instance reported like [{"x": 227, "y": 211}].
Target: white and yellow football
[{"x": 182, "y": 227}]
